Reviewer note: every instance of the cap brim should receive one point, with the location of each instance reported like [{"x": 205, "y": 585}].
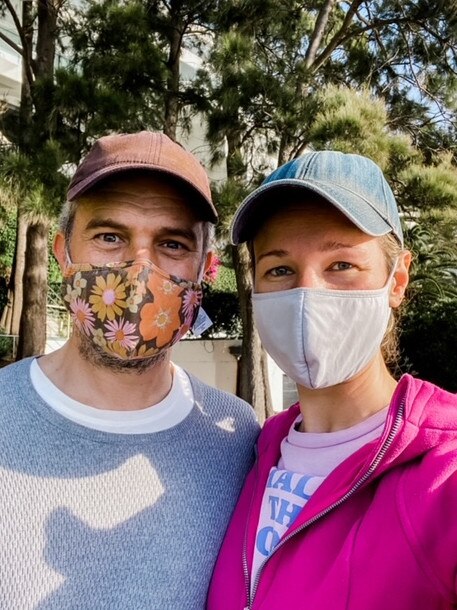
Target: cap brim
[{"x": 356, "y": 208}]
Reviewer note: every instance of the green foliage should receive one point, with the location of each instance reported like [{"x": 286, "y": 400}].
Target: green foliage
[
  {"x": 34, "y": 183},
  {"x": 221, "y": 304},
  {"x": 269, "y": 59},
  {"x": 121, "y": 74},
  {"x": 223, "y": 309},
  {"x": 227, "y": 197},
  {"x": 355, "y": 122},
  {"x": 434, "y": 274},
  {"x": 8, "y": 216},
  {"x": 428, "y": 340},
  {"x": 430, "y": 187},
  {"x": 6, "y": 347},
  {"x": 116, "y": 74},
  {"x": 225, "y": 280}
]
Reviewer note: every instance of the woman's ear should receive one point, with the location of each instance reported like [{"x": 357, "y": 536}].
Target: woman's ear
[
  {"x": 60, "y": 251},
  {"x": 400, "y": 279}
]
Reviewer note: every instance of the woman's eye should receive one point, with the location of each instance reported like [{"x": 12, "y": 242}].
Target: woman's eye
[
  {"x": 341, "y": 266},
  {"x": 279, "y": 271}
]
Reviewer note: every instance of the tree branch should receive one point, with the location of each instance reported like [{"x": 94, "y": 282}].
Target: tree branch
[
  {"x": 17, "y": 23},
  {"x": 11, "y": 44},
  {"x": 318, "y": 32},
  {"x": 24, "y": 51},
  {"x": 337, "y": 38}
]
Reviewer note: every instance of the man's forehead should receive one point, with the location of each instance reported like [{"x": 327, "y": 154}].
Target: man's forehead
[
  {"x": 158, "y": 215},
  {"x": 147, "y": 191}
]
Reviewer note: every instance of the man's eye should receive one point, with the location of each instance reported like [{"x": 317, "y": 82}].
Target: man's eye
[
  {"x": 109, "y": 238},
  {"x": 174, "y": 245}
]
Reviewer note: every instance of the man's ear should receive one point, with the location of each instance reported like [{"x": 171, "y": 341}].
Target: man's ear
[
  {"x": 60, "y": 250},
  {"x": 210, "y": 257},
  {"x": 400, "y": 279},
  {"x": 205, "y": 273}
]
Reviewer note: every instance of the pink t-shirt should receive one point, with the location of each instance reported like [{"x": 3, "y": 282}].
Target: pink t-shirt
[{"x": 306, "y": 459}]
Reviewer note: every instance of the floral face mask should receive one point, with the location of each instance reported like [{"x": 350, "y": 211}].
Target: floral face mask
[{"x": 132, "y": 309}]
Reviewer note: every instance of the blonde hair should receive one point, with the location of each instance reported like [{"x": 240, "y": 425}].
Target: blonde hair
[{"x": 392, "y": 249}]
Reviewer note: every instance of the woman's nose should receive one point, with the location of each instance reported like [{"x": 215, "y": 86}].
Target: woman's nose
[{"x": 308, "y": 278}]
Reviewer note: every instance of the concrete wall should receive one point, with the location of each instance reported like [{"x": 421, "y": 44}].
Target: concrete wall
[{"x": 212, "y": 362}]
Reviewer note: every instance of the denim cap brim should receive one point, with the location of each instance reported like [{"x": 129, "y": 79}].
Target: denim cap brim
[{"x": 353, "y": 184}]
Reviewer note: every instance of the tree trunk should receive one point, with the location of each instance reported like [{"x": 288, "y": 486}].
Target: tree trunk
[
  {"x": 19, "y": 267},
  {"x": 44, "y": 66},
  {"x": 172, "y": 92},
  {"x": 30, "y": 302},
  {"x": 26, "y": 105},
  {"x": 32, "y": 334},
  {"x": 47, "y": 13},
  {"x": 253, "y": 383},
  {"x": 11, "y": 315}
]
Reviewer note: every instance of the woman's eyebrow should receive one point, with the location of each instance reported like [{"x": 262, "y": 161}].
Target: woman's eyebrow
[
  {"x": 279, "y": 253},
  {"x": 329, "y": 246}
]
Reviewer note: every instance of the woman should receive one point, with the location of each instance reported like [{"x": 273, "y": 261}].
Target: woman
[{"x": 352, "y": 503}]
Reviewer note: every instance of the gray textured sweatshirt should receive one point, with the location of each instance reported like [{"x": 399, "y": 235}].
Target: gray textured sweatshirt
[{"x": 94, "y": 520}]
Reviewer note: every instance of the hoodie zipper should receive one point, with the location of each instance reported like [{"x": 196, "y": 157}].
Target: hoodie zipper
[{"x": 374, "y": 465}]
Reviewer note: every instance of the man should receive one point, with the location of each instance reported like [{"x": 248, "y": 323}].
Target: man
[{"x": 118, "y": 470}]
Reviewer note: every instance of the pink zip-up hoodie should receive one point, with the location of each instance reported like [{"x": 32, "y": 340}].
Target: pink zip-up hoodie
[{"x": 380, "y": 533}]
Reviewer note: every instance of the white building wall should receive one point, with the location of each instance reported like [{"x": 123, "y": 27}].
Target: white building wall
[
  {"x": 10, "y": 61},
  {"x": 211, "y": 361}
]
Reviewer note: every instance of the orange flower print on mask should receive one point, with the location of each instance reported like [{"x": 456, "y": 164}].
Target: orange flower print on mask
[{"x": 160, "y": 320}]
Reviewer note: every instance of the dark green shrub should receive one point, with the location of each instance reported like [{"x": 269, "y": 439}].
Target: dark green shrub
[{"x": 428, "y": 341}]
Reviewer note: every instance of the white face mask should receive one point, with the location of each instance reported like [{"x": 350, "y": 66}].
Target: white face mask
[{"x": 320, "y": 338}]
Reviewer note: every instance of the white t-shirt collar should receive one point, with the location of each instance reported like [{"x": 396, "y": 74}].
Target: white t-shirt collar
[{"x": 169, "y": 412}]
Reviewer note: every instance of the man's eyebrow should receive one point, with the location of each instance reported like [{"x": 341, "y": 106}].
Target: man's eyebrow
[
  {"x": 97, "y": 223},
  {"x": 180, "y": 232},
  {"x": 109, "y": 223}
]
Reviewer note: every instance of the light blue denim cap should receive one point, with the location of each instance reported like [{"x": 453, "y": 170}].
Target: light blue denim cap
[{"x": 354, "y": 184}]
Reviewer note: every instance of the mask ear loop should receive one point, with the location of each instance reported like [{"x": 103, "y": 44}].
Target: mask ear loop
[
  {"x": 67, "y": 256},
  {"x": 392, "y": 272}
]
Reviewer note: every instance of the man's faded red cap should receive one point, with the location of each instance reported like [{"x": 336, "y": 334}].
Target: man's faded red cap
[{"x": 146, "y": 150}]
